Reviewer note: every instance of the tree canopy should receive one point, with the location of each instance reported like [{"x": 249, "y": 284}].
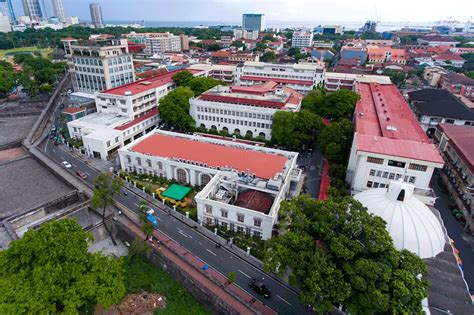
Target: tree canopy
[
  {"x": 295, "y": 130},
  {"x": 201, "y": 85},
  {"x": 182, "y": 78},
  {"x": 174, "y": 108},
  {"x": 335, "y": 106},
  {"x": 268, "y": 56},
  {"x": 7, "y": 78},
  {"x": 338, "y": 254},
  {"x": 50, "y": 270}
]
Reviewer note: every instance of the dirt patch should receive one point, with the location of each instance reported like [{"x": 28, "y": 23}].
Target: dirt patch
[
  {"x": 135, "y": 304},
  {"x": 12, "y": 154}
]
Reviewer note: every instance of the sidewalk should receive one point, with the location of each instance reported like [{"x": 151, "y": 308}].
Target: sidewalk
[{"x": 212, "y": 280}]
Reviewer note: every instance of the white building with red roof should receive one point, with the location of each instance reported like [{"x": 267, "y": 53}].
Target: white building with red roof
[
  {"x": 389, "y": 143},
  {"x": 124, "y": 114},
  {"x": 300, "y": 77},
  {"x": 243, "y": 110},
  {"x": 243, "y": 185}
]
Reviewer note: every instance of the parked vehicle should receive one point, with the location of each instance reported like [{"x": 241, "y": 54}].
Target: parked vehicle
[
  {"x": 260, "y": 288},
  {"x": 81, "y": 174},
  {"x": 66, "y": 164}
]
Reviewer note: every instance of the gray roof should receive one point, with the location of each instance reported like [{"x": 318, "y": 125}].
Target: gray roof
[
  {"x": 456, "y": 78},
  {"x": 447, "y": 291},
  {"x": 439, "y": 103}
]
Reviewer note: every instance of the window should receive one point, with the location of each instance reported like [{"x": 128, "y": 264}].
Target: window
[
  {"x": 369, "y": 184},
  {"x": 240, "y": 217},
  {"x": 224, "y": 225},
  {"x": 412, "y": 179},
  {"x": 391, "y": 176},
  {"x": 382, "y": 185},
  {"x": 224, "y": 213},
  {"x": 385, "y": 175},
  {"x": 257, "y": 222},
  {"x": 139, "y": 161},
  {"x": 129, "y": 160},
  {"x": 108, "y": 143},
  {"x": 209, "y": 221},
  {"x": 418, "y": 167},
  {"x": 116, "y": 139},
  {"x": 205, "y": 178},
  {"x": 450, "y": 121},
  {"x": 372, "y": 173},
  {"x": 374, "y": 160},
  {"x": 181, "y": 175},
  {"x": 257, "y": 234},
  {"x": 379, "y": 174},
  {"x": 148, "y": 162},
  {"x": 160, "y": 166},
  {"x": 208, "y": 209},
  {"x": 240, "y": 229},
  {"x": 396, "y": 163},
  {"x": 376, "y": 185},
  {"x": 398, "y": 176}
]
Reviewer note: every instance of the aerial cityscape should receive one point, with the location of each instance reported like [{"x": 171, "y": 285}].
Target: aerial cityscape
[{"x": 236, "y": 157}]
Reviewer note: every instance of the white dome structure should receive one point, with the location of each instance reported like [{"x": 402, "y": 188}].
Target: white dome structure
[{"x": 410, "y": 222}]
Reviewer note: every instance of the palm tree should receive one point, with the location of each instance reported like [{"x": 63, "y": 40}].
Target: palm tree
[{"x": 106, "y": 189}]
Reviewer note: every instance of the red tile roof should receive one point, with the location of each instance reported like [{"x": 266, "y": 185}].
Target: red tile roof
[
  {"x": 462, "y": 138},
  {"x": 264, "y": 165},
  {"x": 386, "y": 125},
  {"x": 278, "y": 80},
  {"x": 138, "y": 120},
  {"x": 146, "y": 84},
  {"x": 73, "y": 110},
  {"x": 449, "y": 57}
]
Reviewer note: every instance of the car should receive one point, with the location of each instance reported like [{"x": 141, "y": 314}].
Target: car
[
  {"x": 66, "y": 164},
  {"x": 260, "y": 288},
  {"x": 81, "y": 174}
]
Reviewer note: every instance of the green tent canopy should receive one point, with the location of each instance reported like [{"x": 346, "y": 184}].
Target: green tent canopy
[{"x": 176, "y": 192}]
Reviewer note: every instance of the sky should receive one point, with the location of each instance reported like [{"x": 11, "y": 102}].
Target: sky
[{"x": 274, "y": 10}]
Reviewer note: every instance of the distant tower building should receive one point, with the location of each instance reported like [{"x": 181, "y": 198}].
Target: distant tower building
[
  {"x": 58, "y": 8},
  {"x": 33, "y": 9},
  {"x": 5, "y": 26},
  {"x": 6, "y": 9},
  {"x": 369, "y": 26},
  {"x": 253, "y": 22},
  {"x": 96, "y": 15}
]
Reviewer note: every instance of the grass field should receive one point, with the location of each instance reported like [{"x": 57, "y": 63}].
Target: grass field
[
  {"x": 44, "y": 51},
  {"x": 142, "y": 275}
]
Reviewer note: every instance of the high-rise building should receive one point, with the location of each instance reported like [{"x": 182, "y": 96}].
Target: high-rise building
[
  {"x": 100, "y": 64},
  {"x": 5, "y": 26},
  {"x": 6, "y": 9},
  {"x": 96, "y": 15},
  {"x": 253, "y": 22},
  {"x": 369, "y": 26},
  {"x": 158, "y": 43},
  {"x": 58, "y": 7},
  {"x": 302, "y": 39},
  {"x": 33, "y": 9}
]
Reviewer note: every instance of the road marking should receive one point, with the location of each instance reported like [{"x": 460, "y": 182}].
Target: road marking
[
  {"x": 183, "y": 234},
  {"x": 74, "y": 165},
  {"x": 87, "y": 174},
  {"x": 244, "y": 273},
  {"x": 210, "y": 251},
  {"x": 199, "y": 243},
  {"x": 54, "y": 150},
  {"x": 136, "y": 204},
  {"x": 284, "y": 300}
]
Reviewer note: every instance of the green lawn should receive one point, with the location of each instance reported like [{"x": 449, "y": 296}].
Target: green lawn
[
  {"x": 142, "y": 275},
  {"x": 44, "y": 51}
]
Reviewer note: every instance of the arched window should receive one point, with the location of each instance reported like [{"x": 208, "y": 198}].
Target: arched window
[
  {"x": 181, "y": 175},
  {"x": 401, "y": 195},
  {"x": 249, "y": 134},
  {"x": 205, "y": 178},
  {"x": 262, "y": 134},
  {"x": 237, "y": 132}
]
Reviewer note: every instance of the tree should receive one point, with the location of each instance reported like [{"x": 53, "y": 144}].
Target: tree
[
  {"x": 238, "y": 44},
  {"x": 182, "y": 78},
  {"x": 231, "y": 277},
  {"x": 174, "y": 108},
  {"x": 338, "y": 254},
  {"x": 7, "y": 78},
  {"x": 295, "y": 130},
  {"x": 200, "y": 85},
  {"x": 335, "y": 141},
  {"x": 105, "y": 191},
  {"x": 293, "y": 51},
  {"x": 50, "y": 270},
  {"x": 260, "y": 46},
  {"x": 335, "y": 106},
  {"x": 268, "y": 56},
  {"x": 213, "y": 47},
  {"x": 398, "y": 78}
]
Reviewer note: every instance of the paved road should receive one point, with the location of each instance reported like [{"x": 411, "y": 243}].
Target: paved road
[
  {"x": 314, "y": 167},
  {"x": 455, "y": 231},
  {"x": 284, "y": 299}
]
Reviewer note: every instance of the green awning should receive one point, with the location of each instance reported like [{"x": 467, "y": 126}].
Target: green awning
[{"x": 176, "y": 192}]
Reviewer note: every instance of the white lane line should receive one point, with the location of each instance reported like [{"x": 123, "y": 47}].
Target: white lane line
[
  {"x": 200, "y": 243},
  {"x": 161, "y": 220},
  {"x": 136, "y": 204},
  {"x": 284, "y": 300},
  {"x": 244, "y": 273},
  {"x": 87, "y": 174},
  {"x": 183, "y": 234},
  {"x": 210, "y": 251}
]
